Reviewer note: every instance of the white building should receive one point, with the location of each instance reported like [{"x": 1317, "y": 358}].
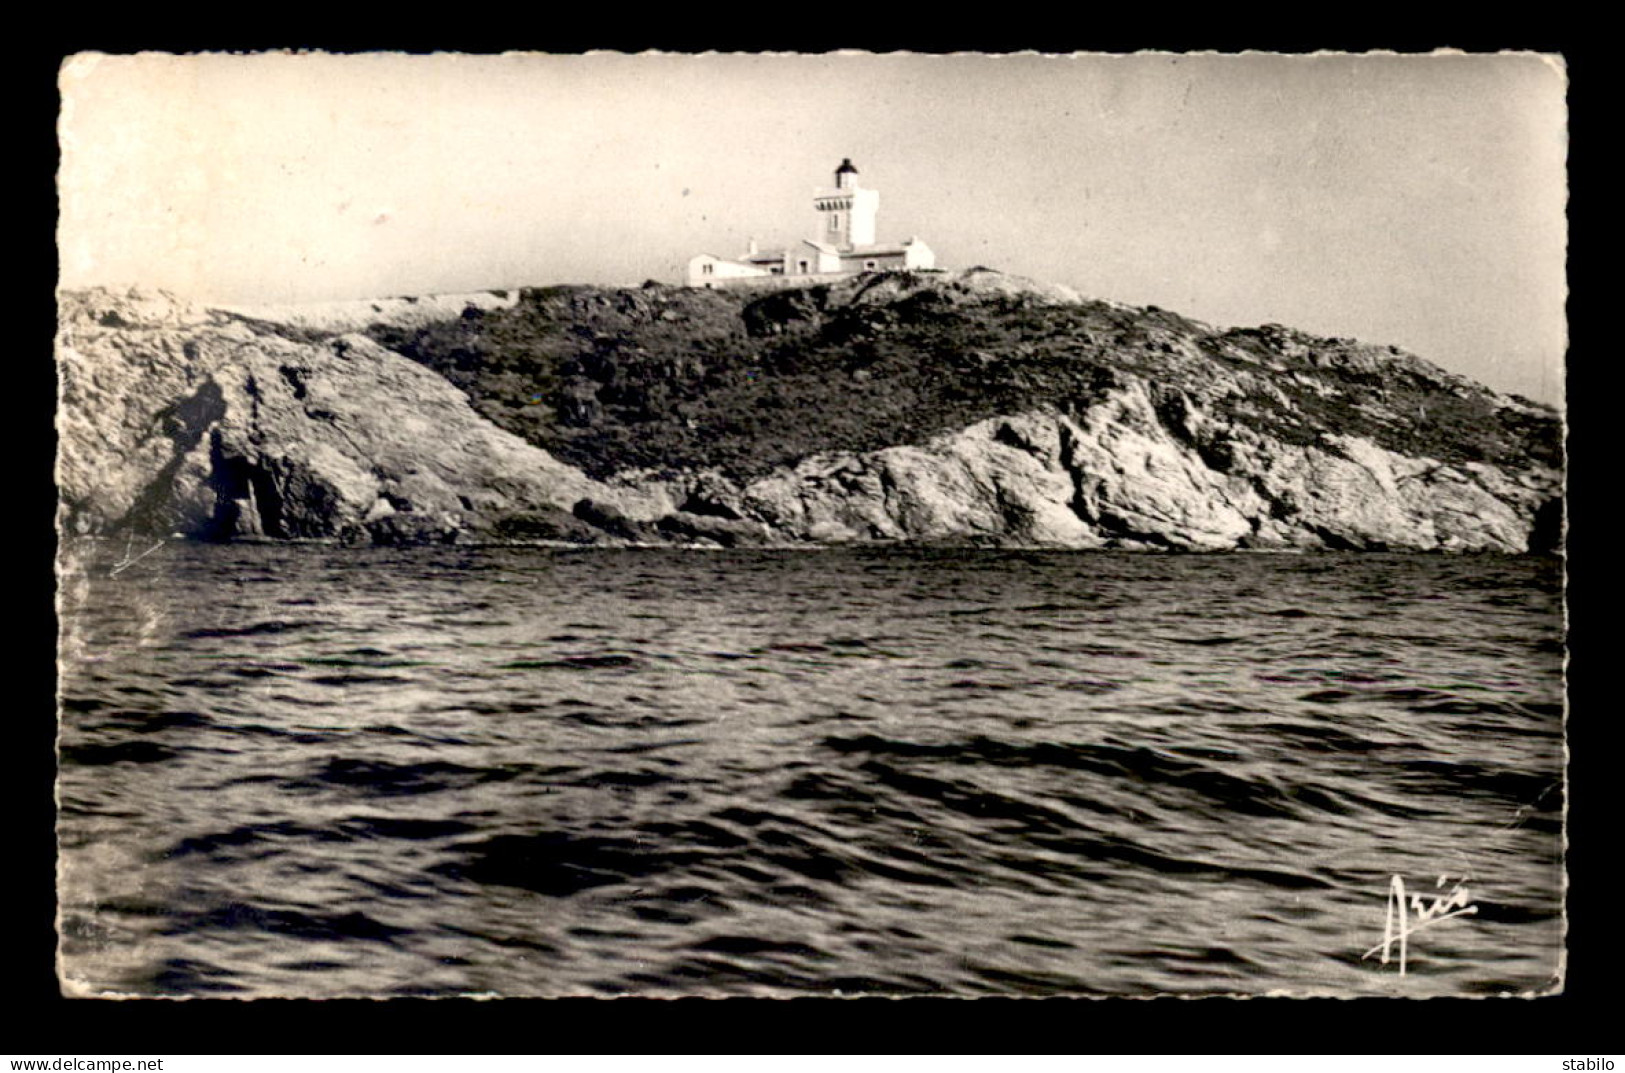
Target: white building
[{"x": 845, "y": 245}]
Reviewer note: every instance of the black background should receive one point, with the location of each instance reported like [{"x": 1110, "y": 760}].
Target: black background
[{"x": 37, "y": 1021}]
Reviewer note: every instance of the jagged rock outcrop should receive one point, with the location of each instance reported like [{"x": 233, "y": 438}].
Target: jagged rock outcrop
[
  {"x": 179, "y": 419},
  {"x": 938, "y": 407},
  {"x": 359, "y": 315},
  {"x": 1115, "y": 479}
]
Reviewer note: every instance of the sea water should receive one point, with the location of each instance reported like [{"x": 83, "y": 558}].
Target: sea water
[{"x": 320, "y": 771}]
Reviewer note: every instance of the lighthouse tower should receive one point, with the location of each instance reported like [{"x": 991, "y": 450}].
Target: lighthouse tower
[
  {"x": 842, "y": 244},
  {"x": 846, "y": 211}
]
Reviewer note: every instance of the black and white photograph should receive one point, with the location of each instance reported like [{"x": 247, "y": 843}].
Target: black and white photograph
[{"x": 780, "y": 525}]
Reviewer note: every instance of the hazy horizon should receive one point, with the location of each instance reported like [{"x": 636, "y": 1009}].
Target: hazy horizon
[{"x": 1417, "y": 201}]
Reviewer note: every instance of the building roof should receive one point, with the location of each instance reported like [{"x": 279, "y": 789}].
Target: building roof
[
  {"x": 775, "y": 256},
  {"x": 877, "y": 249},
  {"x": 846, "y": 167}
]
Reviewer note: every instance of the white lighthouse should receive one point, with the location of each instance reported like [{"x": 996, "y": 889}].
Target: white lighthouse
[
  {"x": 846, "y": 211},
  {"x": 843, "y": 244}
]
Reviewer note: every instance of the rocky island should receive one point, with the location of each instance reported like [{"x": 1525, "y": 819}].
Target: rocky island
[{"x": 968, "y": 408}]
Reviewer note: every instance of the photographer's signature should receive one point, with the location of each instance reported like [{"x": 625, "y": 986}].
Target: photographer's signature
[{"x": 1409, "y": 914}]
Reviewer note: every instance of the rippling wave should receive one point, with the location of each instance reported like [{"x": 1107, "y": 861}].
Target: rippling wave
[{"x": 306, "y": 770}]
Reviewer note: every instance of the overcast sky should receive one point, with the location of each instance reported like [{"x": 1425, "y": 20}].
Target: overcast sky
[{"x": 1414, "y": 200}]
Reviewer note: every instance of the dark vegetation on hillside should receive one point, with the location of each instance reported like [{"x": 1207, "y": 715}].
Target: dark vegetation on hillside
[{"x": 670, "y": 378}]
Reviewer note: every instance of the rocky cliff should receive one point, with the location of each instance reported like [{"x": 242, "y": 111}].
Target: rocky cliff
[
  {"x": 175, "y": 419},
  {"x": 945, "y": 407}
]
